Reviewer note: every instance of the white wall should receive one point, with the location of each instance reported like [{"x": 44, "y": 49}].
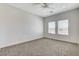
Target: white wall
[
  {"x": 17, "y": 26},
  {"x": 73, "y": 17}
]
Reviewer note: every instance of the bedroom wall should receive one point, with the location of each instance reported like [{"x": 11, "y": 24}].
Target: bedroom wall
[
  {"x": 17, "y": 26},
  {"x": 73, "y": 17}
]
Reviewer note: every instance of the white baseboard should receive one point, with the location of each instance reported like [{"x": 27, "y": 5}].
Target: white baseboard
[
  {"x": 21, "y": 41},
  {"x": 62, "y": 40}
]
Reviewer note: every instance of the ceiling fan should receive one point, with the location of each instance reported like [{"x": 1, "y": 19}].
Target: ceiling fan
[{"x": 45, "y": 5}]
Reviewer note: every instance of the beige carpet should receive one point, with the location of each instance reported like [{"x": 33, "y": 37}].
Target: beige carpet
[{"x": 42, "y": 47}]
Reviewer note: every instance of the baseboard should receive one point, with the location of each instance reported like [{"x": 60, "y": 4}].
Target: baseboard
[
  {"x": 21, "y": 42},
  {"x": 61, "y": 40},
  {"x": 35, "y": 40}
]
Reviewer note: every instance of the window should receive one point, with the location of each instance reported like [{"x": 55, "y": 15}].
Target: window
[
  {"x": 51, "y": 27},
  {"x": 63, "y": 27}
]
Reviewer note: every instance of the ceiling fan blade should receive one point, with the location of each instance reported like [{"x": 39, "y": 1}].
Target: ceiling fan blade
[
  {"x": 43, "y": 5},
  {"x": 35, "y": 3}
]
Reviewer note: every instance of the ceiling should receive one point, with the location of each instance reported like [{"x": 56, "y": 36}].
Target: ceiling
[{"x": 36, "y": 9}]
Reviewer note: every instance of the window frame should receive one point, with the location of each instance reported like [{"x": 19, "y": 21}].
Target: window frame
[
  {"x": 54, "y": 28},
  {"x": 67, "y": 28}
]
